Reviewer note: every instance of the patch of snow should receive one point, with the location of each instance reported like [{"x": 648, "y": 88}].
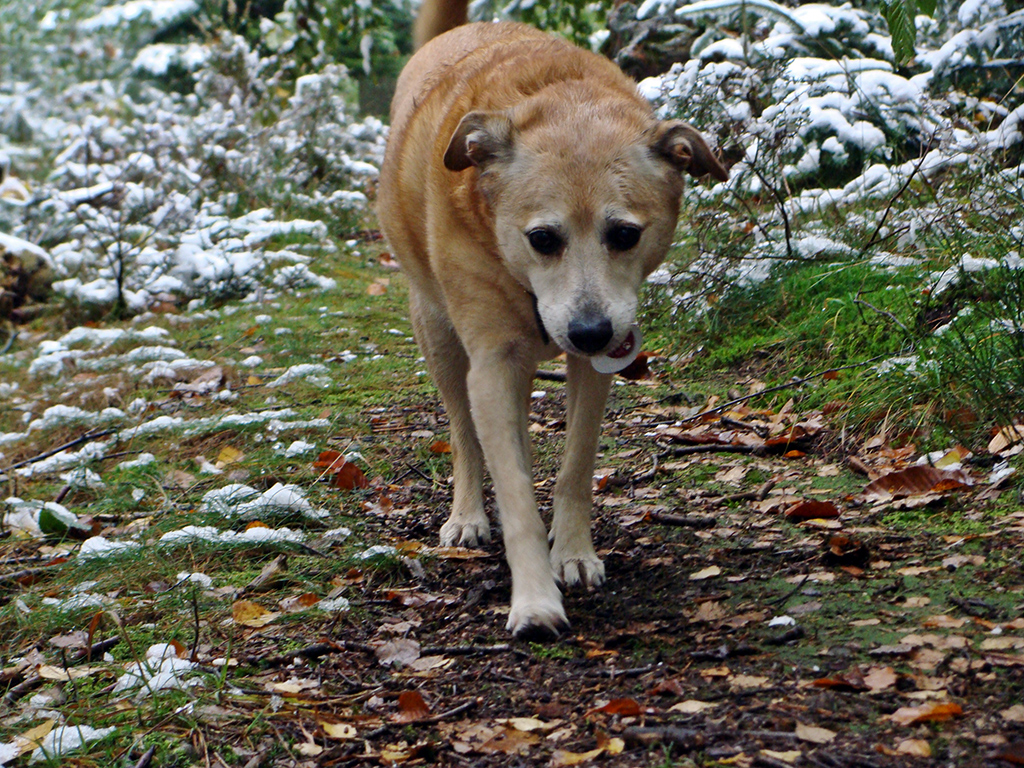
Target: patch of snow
[{"x": 67, "y": 738}]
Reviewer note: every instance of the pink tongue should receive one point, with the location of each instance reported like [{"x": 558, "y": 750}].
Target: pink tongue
[{"x": 625, "y": 348}]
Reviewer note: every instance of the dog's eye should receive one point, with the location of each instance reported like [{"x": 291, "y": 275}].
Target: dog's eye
[
  {"x": 622, "y": 237},
  {"x": 545, "y": 241}
]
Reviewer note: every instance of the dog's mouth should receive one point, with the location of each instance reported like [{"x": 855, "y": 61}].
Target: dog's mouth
[
  {"x": 620, "y": 357},
  {"x": 628, "y": 345}
]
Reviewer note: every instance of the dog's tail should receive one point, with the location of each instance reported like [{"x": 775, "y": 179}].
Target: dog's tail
[{"x": 437, "y": 17}]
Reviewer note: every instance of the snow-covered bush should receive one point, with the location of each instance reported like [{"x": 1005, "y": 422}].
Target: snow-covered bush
[
  {"x": 818, "y": 121},
  {"x": 155, "y": 194}
]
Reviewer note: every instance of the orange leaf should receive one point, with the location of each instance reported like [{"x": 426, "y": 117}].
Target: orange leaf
[
  {"x": 622, "y": 707},
  {"x": 349, "y": 477},
  {"x": 440, "y": 446},
  {"x": 851, "y": 680},
  {"x": 330, "y": 460},
  {"x": 411, "y": 707},
  {"x": 794, "y": 454},
  {"x": 929, "y": 713}
]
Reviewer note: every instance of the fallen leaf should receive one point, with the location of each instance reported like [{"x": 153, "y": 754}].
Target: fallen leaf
[
  {"x": 814, "y": 734},
  {"x": 297, "y": 603},
  {"x": 342, "y": 731},
  {"x": 250, "y": 614},
  {"x": 411, "y": 706},
  {"x": 1006, "y": 437},
  {"x": 670, "y": 687},
  {"x": 32, "y": 738},
  {"x": 349, "y": 477},
  {"x": 880, "y": 678},
  {"x": 915, "y": 747},
  {"x": 787, "y": 757},
  {"x": 749, "y": 681},
  {"x": 707, "y": 573},
  {"x": 1014, "y": 714},
  {"x": 622, "y": 707},
  {"x": 1013, "y": 753},
  {"x": 928, "y": 713},
  {"x": 561, "y": 758},
  {"x": 510, "y": 741},
  {"x": 810, "y": 510},
  {"x": 692, "y": 706},
  {"x": 440, "y": 446},
  {"x": 398, "y": 653},
  {"x": 228, "y": 455},
  {"x": 915, "y": 481},
  {"x": 378, "y": 287},
  {"x": 851, "y": 680}
]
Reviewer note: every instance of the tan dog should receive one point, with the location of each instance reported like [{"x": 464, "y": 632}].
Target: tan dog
[{"x": 527, "y": 191}]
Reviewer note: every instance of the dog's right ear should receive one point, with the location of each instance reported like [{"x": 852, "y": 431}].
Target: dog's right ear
[{"x": 480, "y": 138}]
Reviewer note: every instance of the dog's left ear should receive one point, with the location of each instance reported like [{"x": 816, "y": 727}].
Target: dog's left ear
[
  {"x": 480, "y": 138},
  {"x": 683, "y": 146}
]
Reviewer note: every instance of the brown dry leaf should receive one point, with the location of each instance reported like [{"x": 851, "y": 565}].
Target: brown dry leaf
[
  {"x": 915, "y": 747},
  {"x": 811, "y": 510},
  {"x": 177, "y": 478},
  {"x": 528, "y": 724},
  {"x": 1014, "y": 714},
  {"x": 621, "y": 707},
  {"x": 349, "y": 477},
  {"x": 786, "y": 757},
  {"x": 440, "y": 446},
  {"x": 1013, "y": 753},
  {"x": 915, "y": 481},
  {"x": 378, "y": 287},
  {"x": 1006, "y": 437},
  {"x": 398, "y": 653},
  {"x": 32, "y": 738},
  {"x": 561, "y": 757},
  {"x": 814, "y": 734},
  {"x": 707, "y": 573},
  {"x": 943, "y": 622},
  {"x": 250, "y": 614},
  {"x": 341, "y": 731},
  {"x": 60, "y": 674},
  {"x": 927, "y": 713},
  {"x": 670, "y": 687},
  {"x": 510, "y": 741},
  {"x": 880, "y": 678},
  {"x": 709, "y": 610},
  {"x": 298, "y": 603},
  {"x": 411, "y": 707},
  {"x": 749, "y": 681}
]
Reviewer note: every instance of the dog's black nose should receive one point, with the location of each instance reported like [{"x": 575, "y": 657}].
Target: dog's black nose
[{"x": 590, "y": 332}]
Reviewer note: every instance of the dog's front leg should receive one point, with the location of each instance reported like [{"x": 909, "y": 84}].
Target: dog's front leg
[
  {"x": 572, "y": 549},
  {"x": 499, "y": 392}
]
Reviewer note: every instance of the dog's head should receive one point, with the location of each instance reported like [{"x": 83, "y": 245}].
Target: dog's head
[{"x": 584, "y": 199}]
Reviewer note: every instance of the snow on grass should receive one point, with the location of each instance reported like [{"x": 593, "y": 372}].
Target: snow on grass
[{"x": 67, "y": 738}]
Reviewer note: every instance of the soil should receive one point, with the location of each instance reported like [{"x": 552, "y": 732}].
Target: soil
[{"x": 902, "y": 646}]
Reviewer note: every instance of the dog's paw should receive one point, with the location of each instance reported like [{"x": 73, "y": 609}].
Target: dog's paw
[
  {"x": 541, "y": 621},
  {"x": 465, "y": 533},
  {"x": 578, "y": 570}
]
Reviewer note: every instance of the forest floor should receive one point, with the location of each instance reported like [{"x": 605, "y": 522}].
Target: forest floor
[{"x": 780, "y": 592}]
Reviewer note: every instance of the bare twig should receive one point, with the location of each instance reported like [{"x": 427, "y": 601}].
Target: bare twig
[
  {"x": 685, "y": 521},
  {"x": 687, "y": 450},
  {"x": 760, "y": 494},
  {"x": 882, "y": 312},
  {"x": 146, "y": 759},
  {"x": 90, "y": 435}
]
